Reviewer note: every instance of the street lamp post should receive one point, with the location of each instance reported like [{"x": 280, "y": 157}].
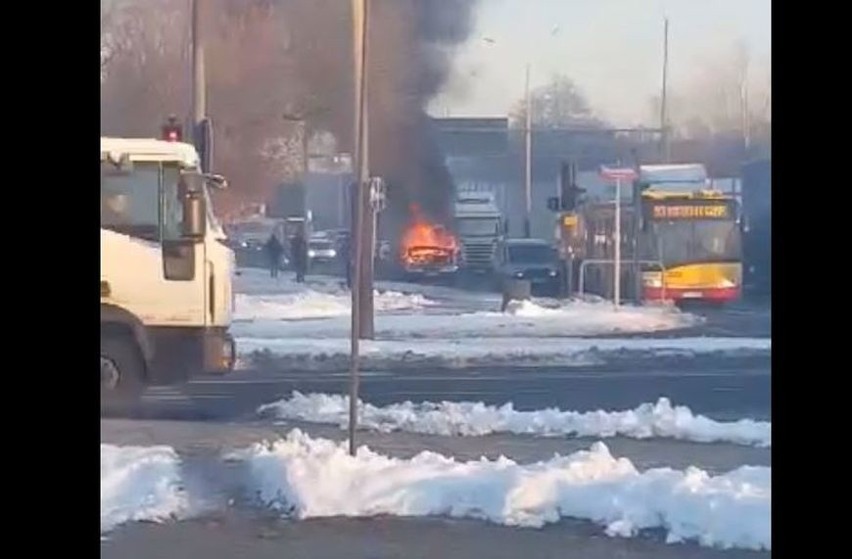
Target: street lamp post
[
  {"x": 528, "y": 158},
  {"x": 617, "y": 174},
  {"x": 360, "y": 20}
]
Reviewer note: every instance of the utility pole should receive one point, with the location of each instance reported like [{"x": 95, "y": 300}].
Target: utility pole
[
  {"x": 360, "y": 227},
  {"x": 366, "y": 328},
  {"x": 744, "y": 114},
  {"x": 617, "y": 275},
  {"x": 528, "y": 158},
  {"x": 665, "y": 140},
  {"x": 199, "y": 93}
]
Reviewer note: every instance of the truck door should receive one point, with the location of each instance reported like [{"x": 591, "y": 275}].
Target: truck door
[{"x": 184, "y": 270}]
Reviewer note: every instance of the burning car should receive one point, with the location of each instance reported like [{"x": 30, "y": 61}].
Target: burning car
[{"x": 428, "y": 249}]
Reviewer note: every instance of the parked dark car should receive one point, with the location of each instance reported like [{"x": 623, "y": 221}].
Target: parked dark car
[{"x": 535, "y": 260}]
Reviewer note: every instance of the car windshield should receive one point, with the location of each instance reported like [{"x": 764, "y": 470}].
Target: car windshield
[{"x": 531, "y": 254}]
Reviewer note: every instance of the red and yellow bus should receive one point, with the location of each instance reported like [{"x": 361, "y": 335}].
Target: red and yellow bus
[
  {"x": 697, "y": 239},
  {"x": 683, "y": 239}
]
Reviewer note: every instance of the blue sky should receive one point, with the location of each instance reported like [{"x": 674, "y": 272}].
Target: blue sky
[{"x": 611, "y": 48}]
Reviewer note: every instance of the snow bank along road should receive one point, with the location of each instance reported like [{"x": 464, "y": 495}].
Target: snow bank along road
[{"x": 302, "y": 477}]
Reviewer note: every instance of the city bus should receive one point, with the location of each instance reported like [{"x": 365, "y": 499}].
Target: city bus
[
  {"x": 680, "y": 239},
  {"x": 697, "y": 239}
]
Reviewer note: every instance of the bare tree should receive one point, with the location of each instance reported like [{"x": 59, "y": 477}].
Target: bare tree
[{"x": 558, "y": 104}]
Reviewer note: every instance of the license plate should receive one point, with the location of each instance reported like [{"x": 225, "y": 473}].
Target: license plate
[{"x": 692, "y": 295}]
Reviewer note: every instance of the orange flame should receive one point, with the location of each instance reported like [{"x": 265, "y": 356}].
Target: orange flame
[{"x": 425, "y": 242}]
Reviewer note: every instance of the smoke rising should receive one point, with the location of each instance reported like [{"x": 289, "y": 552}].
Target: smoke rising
[{"x": 268, "y": 58}]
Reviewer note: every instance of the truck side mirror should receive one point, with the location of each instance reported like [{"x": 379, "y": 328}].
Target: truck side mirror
[{"x": 191, "y": 192}]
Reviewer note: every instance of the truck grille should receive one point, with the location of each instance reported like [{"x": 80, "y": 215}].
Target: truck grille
[{"x": 478, "y": 254}]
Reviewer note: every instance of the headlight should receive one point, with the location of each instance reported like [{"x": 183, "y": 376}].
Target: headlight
[
  {"x": 243, "y": 244},
  {"x": 332, "y": 253},
  {"x": 519, "y": 274},
  {"x": 312, "y": 253},
  {"x": 653, "y": 281},
  {"x": 552, "y": 273}
]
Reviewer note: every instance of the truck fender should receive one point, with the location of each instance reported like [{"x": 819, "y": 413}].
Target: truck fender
[{"x": 114, "y": 315}]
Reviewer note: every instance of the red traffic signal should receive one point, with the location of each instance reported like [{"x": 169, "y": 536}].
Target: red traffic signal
[{"x": 172, "y": 131}]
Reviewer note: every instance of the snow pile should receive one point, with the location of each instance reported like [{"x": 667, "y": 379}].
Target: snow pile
[
  {"x": 331, "y": 353},
  {"x": 660, "y": 420},
  {"x": 315, "y": 304},
  {"x": 310, "y": 478},
  {"x": 140, "y": 483},
  {"x": 596, "y": 317},
  {"x": 526, "y": 319}
]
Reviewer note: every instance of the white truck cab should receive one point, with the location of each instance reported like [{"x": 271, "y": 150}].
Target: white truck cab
[
  {"x": 480, "y": 226},
  {"x": 166, "y": 271}
]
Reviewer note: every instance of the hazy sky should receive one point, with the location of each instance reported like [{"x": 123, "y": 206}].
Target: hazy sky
[{"x": 611, "y": 48}]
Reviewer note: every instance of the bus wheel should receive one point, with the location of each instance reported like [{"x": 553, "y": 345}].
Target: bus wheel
[{"x": 122, "y": 374}]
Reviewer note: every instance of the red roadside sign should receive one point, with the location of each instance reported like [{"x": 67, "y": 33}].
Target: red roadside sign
[{"x": 626, "y": 174}]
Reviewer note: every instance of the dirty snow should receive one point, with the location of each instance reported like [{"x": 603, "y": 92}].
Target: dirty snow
[
  {"x": 309, "y": 478},
  {"x": 261, "y": 298},
  {"x": 140, "y": 483},
  {"x": 660, "y": 420},
  {"x": 309, "y": 304},
  {"x": 321, "y": 353},
  {"x": 526, "y": 320}
]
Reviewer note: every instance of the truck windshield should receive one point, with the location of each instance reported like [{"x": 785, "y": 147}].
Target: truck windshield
[
  {"x": 130, "y": 202},
  {"x": 681, "y": 242},
  {"x": 143, "y": 203},
  {"x": 477, "y": 227},
  {"x": 531, "y": 254}
]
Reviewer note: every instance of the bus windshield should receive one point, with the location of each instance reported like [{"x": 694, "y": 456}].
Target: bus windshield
[{"x": 680, "y": 242}]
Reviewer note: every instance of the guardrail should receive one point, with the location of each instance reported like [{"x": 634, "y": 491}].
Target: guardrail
[{"x": 630, "y": 263}]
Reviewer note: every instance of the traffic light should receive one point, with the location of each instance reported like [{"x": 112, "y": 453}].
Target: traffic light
[
  {"x": 172, "y": 130},
  {"x": 570, "y": 192},
  {"x": 571, "y": 197},
  {"x": 203, "y": 137}
]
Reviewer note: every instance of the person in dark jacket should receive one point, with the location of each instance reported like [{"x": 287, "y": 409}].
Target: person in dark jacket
[
  {"x": 299, "y": 252},
  {"x": 274, "y": 249}
]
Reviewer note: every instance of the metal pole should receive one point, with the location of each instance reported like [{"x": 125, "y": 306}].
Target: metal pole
[
  {"x": 359, "y": 8},
  {"x": 366, "y": 328},
  {"x": 617, "y": 278},
  {"x": 199, "y": 98},
  {"x": 666, "y": 151},
  {"x": 528, "y": 158}
]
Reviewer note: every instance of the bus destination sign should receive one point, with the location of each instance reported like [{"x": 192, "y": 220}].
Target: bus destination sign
[{"x": 685, "y": 210}]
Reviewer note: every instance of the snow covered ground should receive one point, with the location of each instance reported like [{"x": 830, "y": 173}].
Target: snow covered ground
[
  {"x": 333, "y": 353},
  {"x": 660, "y": 420},
  {"x": 261, "y": 298},
  {"x": 307, "y": 477},
  {"x": 140, "y": 483},
  {"x": 284, "y": 324}
]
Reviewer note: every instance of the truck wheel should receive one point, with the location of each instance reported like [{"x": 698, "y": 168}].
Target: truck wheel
[{"x": 122, "y": 374}]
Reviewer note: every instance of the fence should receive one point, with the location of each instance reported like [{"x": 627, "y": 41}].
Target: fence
[{"x": 632, "y": 266}]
